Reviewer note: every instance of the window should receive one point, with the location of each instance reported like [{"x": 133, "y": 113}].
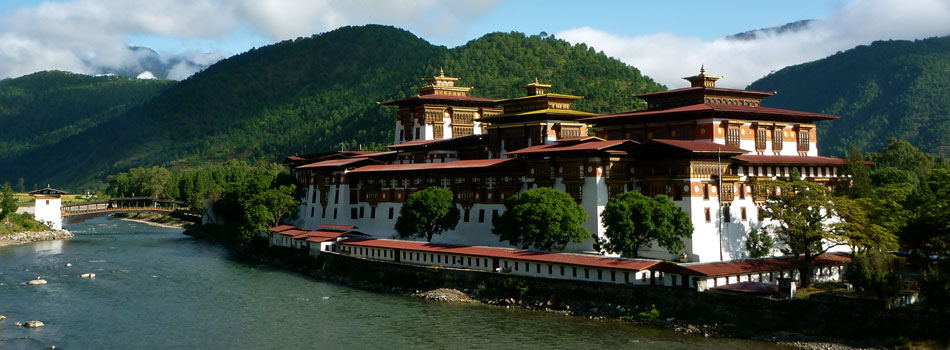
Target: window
[
  {"x": 613, "y": 276},
  {"x": 562, "y": 270},
  {"x": 391, "y": 213},
  {"x": 760, "y": 136},
  {"x": 481, "y": 215},
  {"x": 726, "y": 213},
  {"x": 417, "y": 133},
  {"x": 708, "y": 218},
  {"x": 494, "y": 215},
  {"x": 600, "y": 274},
  {"x": 706, "y": 191},
  {"x": 467, "y": 212},
  {"x": 586, "y": 273},
  {"x": 314, "y": 197},
  {"x": 741, "y": 191},
  {"x": 803, "y": 140},
  {"x": 777, "y": 139},
  {"x": 353, "y": 213},
  {"x": 743, "y": 214},
  {"x": 732, "y": 136},
  {"x": 362, "y": 211},
  {"x": 372, "y": 212},
  {"x": 550, "y": 270},
  {"x": 336, "y": 197},
  {"x": 516, "y": 266},
  {"x": 575, "y": 271},
  {"x": 334, "y": 213},
  {"x": 312, "y": 209}
]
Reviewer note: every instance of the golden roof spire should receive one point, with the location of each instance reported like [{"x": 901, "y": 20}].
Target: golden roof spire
[
  {"x": 702, "y": 79},
  {"x": 443, "y": 85},
  {"x": 536, "y": 88}
]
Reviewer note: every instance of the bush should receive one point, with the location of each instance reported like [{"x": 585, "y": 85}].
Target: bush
[
  {"x": 935, "y": 288},
  {"x": 649, "y": 314},
  {"x": 874, "y": 272}
]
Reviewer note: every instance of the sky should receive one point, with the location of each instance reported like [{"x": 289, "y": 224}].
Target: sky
[{"x": 666, "y": 40}]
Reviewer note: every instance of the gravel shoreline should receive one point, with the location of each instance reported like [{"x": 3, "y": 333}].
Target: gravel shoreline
[{"x": 34, "y": 236}]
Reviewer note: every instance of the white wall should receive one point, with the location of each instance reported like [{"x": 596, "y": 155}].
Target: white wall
[{"x": 49, "y": 211}]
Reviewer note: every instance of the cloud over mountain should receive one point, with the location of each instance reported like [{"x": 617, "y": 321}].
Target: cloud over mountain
[
  {"x": 744, "y": 59},
  {"x": 92, "y": 36}
]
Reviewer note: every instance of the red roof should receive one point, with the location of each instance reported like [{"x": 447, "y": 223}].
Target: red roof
[
  {"x": 714, "y": 90},
  {"x": 508, "y": 253},
  {"x": 441, "y": 98},
  {"x": 320, "y": 239},
  {"x": 279, "y": 228},
  {"x": 572, "y": 147},
  {"x": 700, "y": 146},
  {"x": 374, "y": 154},
  {"x": 739, "y": 267},
  {"x": 453, "y": 165},
  {"x": 292, "y": 232},
  {"x": 449, "y": 143},
  {"x": 691, "y": 110},
  {"x": 324, "y": 234},
  {"x": 337, "y": 227},
  {"x": 789, "y": 160},
  {"x": 334, "y": 163}
]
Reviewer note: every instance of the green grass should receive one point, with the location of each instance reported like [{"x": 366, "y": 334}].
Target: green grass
[{"x": 20, "y": 223}]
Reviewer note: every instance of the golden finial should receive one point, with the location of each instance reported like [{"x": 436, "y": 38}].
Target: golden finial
[
  {"x": 702, "y": 69},
  {"x": 536, "y": 80},
  {"x": 441, "y": 72}
]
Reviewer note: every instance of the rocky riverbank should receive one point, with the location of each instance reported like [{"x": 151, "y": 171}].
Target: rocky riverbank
[
  {"x": 33, "y": 236},
  {"x": 153, "y": 219}
]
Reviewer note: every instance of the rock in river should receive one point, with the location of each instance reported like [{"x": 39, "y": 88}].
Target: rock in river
[
  {"x": 37, "y": 281},
  {"x": 34, "y": 324},
  {"x": 88, "y": 275}
]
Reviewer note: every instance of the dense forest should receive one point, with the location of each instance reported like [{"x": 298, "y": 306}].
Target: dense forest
[
  {"x": 312, "y": 94},
  {"x": 889, "y": 89},
  {"x": 46, "y": 108}
]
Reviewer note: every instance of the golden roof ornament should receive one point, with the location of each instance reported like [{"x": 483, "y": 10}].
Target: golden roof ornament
[
  {"x": 536, "y": 88},
  {"x": 702, "y": 79}
]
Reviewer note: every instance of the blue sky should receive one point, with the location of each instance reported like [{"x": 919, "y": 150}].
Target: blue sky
[{"x": 665, "y": 39}]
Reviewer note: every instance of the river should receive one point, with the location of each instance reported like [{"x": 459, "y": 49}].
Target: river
[{"x": 158, "y": 289}]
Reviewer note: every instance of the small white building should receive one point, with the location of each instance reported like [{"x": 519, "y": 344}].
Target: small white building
[{"x": 48, "y": 207}]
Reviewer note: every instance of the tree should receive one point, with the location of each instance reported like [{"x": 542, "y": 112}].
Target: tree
[
  {"x": 7, "y": 202},
  {"x": 632, "y": 221},
  {"x": 542, "y": 218},
  {"x": 860, "y": 184},
  {"x": 20, "y": 186},
  {"x": 801, "y": 212},
  {"x": 427, "y": 213},
  {"x": 759, "y": 244},
  {"x": 874, "y": 271},
  {"x": 865, "y": 223}
]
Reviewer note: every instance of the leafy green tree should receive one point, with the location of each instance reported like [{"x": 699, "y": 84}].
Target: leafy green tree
[
  {"x": 935, "y": 288},
  {"x": 801, "y": 212},
  {"x": 864, "y": 224},
  {"x": 20, "y": 186},
  {"x": 7, "y": 202},
  {"x": 542, "y": 218},
  {"x": 860, "y": 184},
  {"x": 427, "y": 213},
  {"x": 632, "y": 221},
  {"x": 759, "y": 244},
  {"x": 874, "y": 271}
]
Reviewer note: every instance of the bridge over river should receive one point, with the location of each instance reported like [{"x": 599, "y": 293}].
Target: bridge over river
[{"x": 82, "y": 211}]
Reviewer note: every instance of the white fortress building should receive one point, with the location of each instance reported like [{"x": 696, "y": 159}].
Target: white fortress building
[{"x": 704, "y": 147}]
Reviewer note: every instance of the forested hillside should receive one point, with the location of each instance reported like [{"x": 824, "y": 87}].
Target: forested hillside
[
  {"x": 312, "y": 94},
  {"x": 889, "y": 89},
  {"x": 45, "y": 108}
]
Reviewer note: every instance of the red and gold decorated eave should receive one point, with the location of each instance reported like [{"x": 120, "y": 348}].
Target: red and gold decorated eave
[{"x": 708, "y": 110}]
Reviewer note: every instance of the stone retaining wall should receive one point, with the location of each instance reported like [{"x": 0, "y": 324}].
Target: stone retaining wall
[
  {"x": 803, "y": 314},
  {"x": 34, "y": 236}
]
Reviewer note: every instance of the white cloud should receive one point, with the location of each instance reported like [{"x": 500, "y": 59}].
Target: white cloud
[
  {"x": 667, "y": 57},
  {"x": 146, "y": 75},
  {"x": 89, "y": 36}
]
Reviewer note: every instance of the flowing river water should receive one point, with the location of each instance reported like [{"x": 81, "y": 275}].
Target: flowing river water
[{"x": 158, "y": 289}]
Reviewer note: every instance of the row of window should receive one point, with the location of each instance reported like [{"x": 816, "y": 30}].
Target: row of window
[
  {"x": 761, "y": 135},
  {"x": 727, "y": 214}
]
